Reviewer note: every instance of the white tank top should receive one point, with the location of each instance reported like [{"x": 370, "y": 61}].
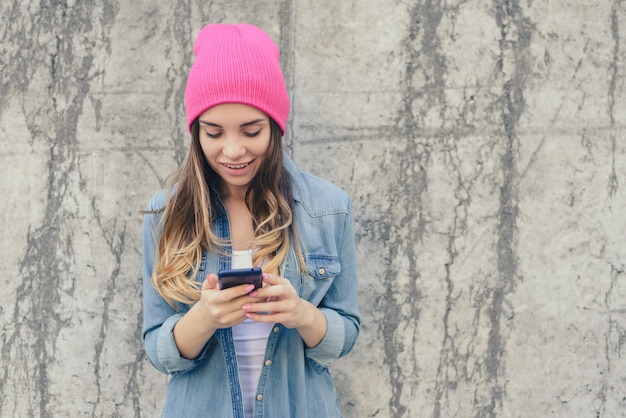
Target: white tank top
[{"x": 250, "y": 342}]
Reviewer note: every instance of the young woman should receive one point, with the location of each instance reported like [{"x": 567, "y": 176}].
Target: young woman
[{"x": 238, "y": 201}]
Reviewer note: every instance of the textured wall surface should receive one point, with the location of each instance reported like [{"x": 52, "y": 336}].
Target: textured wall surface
[{"x": 482, "y": 143}]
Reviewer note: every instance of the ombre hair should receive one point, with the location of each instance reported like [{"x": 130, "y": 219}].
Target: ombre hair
[{"x": 192, "y": 206}]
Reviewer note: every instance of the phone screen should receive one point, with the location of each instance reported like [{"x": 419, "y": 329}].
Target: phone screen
[{"x": 236, "y": 277}]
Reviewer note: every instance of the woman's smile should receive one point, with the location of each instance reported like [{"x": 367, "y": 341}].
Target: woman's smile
[{"x": 234, "y": 139}]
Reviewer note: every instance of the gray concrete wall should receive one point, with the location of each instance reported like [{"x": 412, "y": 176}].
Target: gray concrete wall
[{"x": 482, "y": 143}]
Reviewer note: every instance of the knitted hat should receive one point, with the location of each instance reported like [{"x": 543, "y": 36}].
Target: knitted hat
[{"x": 236, "y": 64}]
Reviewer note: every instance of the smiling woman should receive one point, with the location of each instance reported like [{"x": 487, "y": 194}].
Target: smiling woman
[
  {"x": 239, "y": 201},
  {"x": 234, "y": 139}
]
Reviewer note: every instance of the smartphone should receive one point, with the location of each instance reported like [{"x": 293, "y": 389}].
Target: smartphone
[{"x": 235, "y": 277}]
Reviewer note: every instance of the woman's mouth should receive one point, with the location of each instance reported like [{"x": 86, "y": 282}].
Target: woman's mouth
[{"x": 235, "y": 166}]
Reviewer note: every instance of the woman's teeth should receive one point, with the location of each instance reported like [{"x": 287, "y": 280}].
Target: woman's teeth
[{"x": 237, "y": 166}]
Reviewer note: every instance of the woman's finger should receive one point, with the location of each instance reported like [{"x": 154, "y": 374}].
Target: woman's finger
[
  {"x": 210, "y": 282},
  {"x": 273, "y": 279}
]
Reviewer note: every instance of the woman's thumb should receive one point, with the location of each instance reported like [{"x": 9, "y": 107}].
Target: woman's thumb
[{"x": 210, "y": 282}]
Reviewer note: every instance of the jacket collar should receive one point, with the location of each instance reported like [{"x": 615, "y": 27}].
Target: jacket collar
[{"x": 296, "y": 176}]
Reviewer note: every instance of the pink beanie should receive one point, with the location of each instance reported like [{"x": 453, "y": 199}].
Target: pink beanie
[{"x": 236, "y": 64}]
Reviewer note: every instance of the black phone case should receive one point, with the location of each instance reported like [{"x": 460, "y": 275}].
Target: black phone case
[{"x": 235, "y": 277}]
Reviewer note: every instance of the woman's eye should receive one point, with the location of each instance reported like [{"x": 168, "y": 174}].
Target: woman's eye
[
  {"x": 213, "y": 135},
  {"x": 252, "y": 134}
]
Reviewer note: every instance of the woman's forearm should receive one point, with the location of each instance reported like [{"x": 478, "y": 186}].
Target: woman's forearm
[
  {"x": 314, "y": 328},
  {"x": 191, "y": 333}
]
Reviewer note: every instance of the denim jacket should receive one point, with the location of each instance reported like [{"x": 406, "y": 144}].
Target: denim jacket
[{"x": 295, "y": 380}]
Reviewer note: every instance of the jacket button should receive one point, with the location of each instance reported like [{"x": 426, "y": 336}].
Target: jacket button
[
  {"x": 268, "y": 362},
  {"x": 321, "y": 271},
  {"x": 259, "y": 397},
  {"x": 275, "y": 329}
]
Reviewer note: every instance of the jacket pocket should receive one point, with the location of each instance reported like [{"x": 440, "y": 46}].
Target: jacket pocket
[{"x": 322, "y": 270}]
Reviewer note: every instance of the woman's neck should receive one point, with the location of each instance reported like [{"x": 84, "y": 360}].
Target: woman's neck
[
  {"x": 240, "y": 222},
  {"x": 233, "y": 192}
]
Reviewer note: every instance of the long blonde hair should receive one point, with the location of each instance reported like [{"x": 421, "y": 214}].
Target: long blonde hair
[{"x": 192, "y": 206}]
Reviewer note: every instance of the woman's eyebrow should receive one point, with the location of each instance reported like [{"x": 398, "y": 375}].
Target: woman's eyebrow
[
  {"x": 243, "y": 125},
  {"x": 209, "y": 124},
  {"x": 252, "y": 122}
]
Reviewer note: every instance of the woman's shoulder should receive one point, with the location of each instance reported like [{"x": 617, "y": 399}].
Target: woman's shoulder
[
  {"x": 159, "y": 199},
  {"x": 318, "y": 196}
]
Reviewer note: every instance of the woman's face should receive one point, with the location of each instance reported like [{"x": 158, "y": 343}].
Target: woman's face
[{"x": 234, "y": 139}]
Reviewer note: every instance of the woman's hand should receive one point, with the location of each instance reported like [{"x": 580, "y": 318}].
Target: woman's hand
[
  {"x": 222, "y": 308},
  {"x": 278, "y": 302},
  {"x": 216, "y": 309}
]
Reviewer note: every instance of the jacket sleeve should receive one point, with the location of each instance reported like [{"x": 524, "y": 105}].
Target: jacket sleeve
[
  {"x": 159, "y": 318},
  {"x": 340, "y": 303}
]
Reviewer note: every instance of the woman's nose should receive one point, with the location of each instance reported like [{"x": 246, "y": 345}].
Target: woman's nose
[{"x": 233, "y": 149}]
